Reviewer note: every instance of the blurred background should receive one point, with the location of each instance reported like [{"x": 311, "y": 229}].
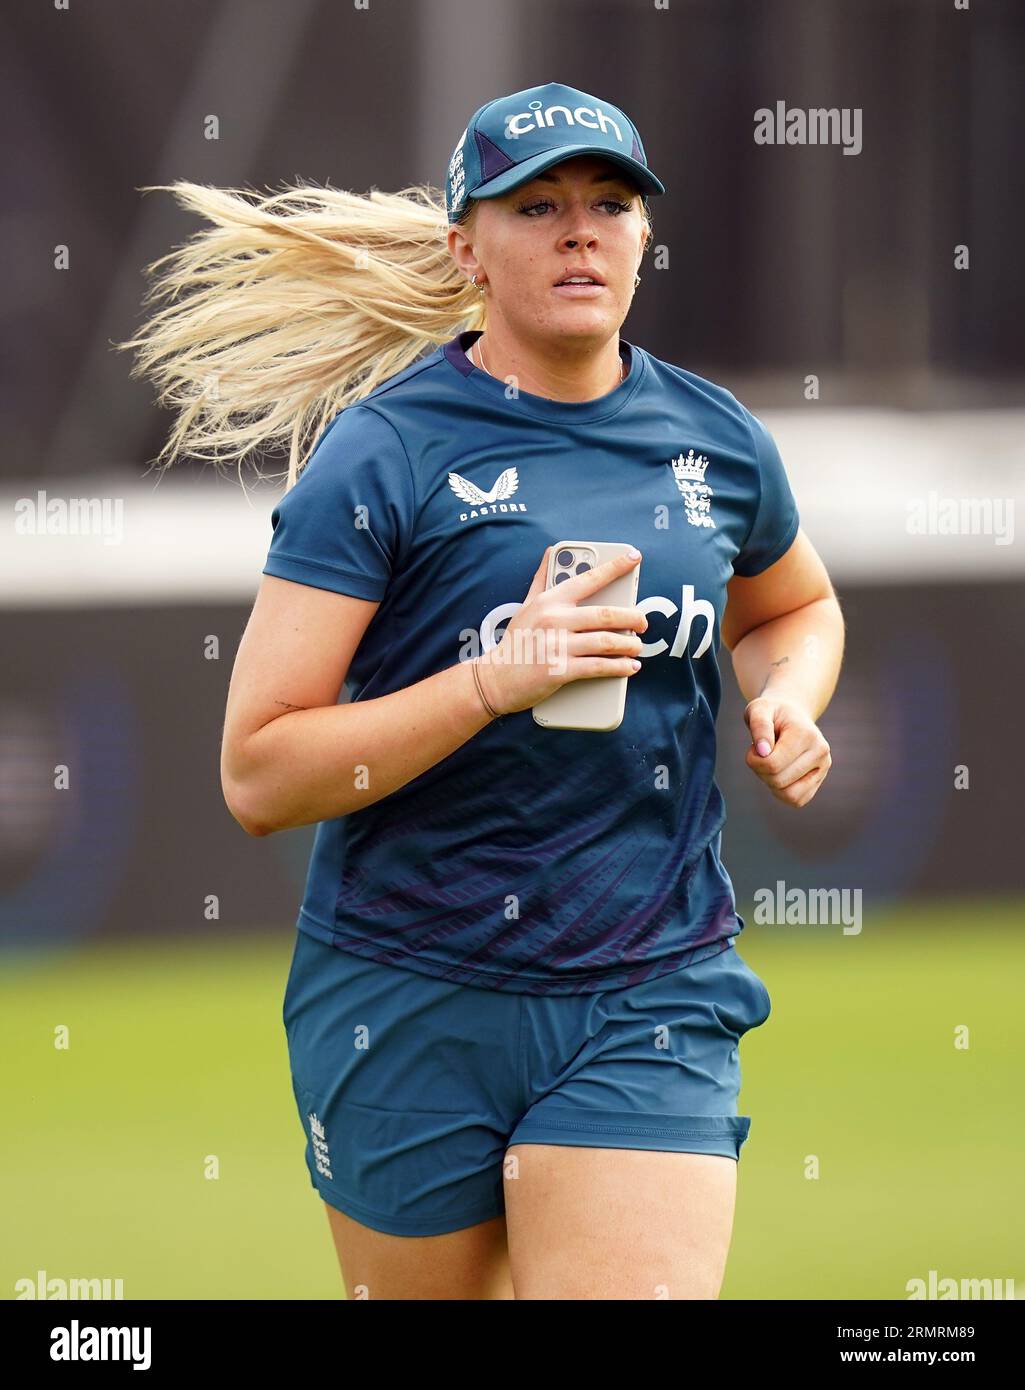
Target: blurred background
[{"x": 867, "y": 307}]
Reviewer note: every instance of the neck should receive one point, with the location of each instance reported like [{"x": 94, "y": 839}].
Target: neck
[{"x": 573, "y": 371}]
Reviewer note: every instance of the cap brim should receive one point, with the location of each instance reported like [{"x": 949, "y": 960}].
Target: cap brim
[{"x": 538, "y": 163}]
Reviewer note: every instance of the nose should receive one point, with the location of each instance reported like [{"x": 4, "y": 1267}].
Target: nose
[
  {"x": 581, "y": 230},
  {"x": 581, "y": 239}
]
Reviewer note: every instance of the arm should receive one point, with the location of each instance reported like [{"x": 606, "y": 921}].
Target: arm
[
  {"x": 785, "y": 630},
  {"x": 291, "y": 755}
]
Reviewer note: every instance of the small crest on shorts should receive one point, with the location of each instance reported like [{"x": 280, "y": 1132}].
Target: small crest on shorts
[{"x": 321, "y": 1153}]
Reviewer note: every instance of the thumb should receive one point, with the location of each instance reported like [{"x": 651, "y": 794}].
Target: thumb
[
  {"x": 538, "y": 583},
  {"x": 760, "y": 722}
]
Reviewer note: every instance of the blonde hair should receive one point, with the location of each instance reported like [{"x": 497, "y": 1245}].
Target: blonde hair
[{"x": 292, "y": 306}]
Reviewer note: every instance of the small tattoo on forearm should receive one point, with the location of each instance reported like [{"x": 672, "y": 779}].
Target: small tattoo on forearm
[
  {"x": 288, "y": 706},
  {"x": 781, "y": 662}
]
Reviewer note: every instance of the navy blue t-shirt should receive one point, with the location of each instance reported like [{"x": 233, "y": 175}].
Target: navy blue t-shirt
[{"x": 535, "y": 860}]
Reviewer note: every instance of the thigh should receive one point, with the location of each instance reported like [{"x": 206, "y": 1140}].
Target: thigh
[
  {"x": 468, "y": 1264},
  {"x": 405, "y": 1087},
  {"x": 607, "y": 1223}
]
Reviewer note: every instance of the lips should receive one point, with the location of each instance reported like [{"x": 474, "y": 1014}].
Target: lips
[{"x": 591, "y": 275}]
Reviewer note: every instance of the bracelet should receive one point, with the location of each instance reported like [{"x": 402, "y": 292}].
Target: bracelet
[{"x": 480, "y": 689}]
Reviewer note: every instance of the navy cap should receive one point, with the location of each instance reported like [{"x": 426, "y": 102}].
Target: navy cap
[{"x": 513, "y": 139}]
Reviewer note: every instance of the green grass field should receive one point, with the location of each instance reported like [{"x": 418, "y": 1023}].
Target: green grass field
[{"x": 178, "y": 1052}]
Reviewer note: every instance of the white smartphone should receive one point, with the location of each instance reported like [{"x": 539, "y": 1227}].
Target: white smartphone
[{"x": 597, "y": 703}]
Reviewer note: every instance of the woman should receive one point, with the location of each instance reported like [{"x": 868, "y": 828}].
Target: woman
[{"x": 515, "y": 1003}]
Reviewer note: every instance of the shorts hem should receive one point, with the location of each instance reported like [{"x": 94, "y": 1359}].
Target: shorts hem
[
  {"x": 404, "y": 1225},
  {"x": 711, "y": 1134}
]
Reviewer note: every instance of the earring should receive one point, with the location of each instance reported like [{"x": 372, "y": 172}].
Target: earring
[
  {"x": 473, "y": 282},
  {"x": 637, "y": 281}
]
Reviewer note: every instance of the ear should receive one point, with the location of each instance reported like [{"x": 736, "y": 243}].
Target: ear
[{"x": 461, "y": 251}]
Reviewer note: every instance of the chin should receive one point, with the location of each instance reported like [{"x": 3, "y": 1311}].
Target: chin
[{"x": 577, "y": 319}]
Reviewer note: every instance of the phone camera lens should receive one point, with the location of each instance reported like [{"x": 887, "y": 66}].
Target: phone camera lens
[
  {"x": 564, "y": 557},
  {"x": 560, "y": 577},
  {"x": 583, "y": 567}
]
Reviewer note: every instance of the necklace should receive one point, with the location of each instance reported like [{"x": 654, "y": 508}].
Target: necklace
[{"x": 480, "y": 359}]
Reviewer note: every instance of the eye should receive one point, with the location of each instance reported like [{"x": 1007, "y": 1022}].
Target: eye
[
  {"x": 529, "y": 208},
  {"x": 532, "y": 207}
]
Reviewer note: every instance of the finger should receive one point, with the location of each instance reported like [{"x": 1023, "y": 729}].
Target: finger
[
  {"x": 598, "y": 642},
  {"x": 793, "y": 740},
  {"x": 596, "y": 615},
  {"x": 581, "y": 585},
  {"x": 799, "y": 793},
  {"x": 791, "y": 768},
  {"x": 537, "y": 584},
  {"x": 596, "y": 667},
  {"x": 759, "y": 719}
]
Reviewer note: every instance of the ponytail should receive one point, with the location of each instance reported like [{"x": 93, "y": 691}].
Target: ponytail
[{"x": 290, "y": 307}]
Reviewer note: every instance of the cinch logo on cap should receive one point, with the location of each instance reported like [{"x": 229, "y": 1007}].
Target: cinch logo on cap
[{"x": 541, "y": 116}]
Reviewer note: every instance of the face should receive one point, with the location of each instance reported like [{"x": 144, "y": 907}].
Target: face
[{"x": 583, "y": 212}]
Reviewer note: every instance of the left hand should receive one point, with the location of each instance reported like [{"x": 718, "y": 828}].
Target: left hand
[{"x": 787, "y": 751}]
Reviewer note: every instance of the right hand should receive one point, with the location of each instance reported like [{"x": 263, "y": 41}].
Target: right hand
[{"x": 525, "y": 667}]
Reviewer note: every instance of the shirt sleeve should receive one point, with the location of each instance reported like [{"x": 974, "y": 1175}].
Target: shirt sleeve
[
  {"x": 776, "y": 520},
  {"x": 346, "y": 523}
]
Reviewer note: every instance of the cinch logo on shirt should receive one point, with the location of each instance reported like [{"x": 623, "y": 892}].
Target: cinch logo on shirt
[
  {"x": 689, "y": 609},
  {"x": 487, "y": 503},
  {"x": 541, "y": 116}
]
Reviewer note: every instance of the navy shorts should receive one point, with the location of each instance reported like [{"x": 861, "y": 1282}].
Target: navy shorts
[{"x": 410, "y": 1088}]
